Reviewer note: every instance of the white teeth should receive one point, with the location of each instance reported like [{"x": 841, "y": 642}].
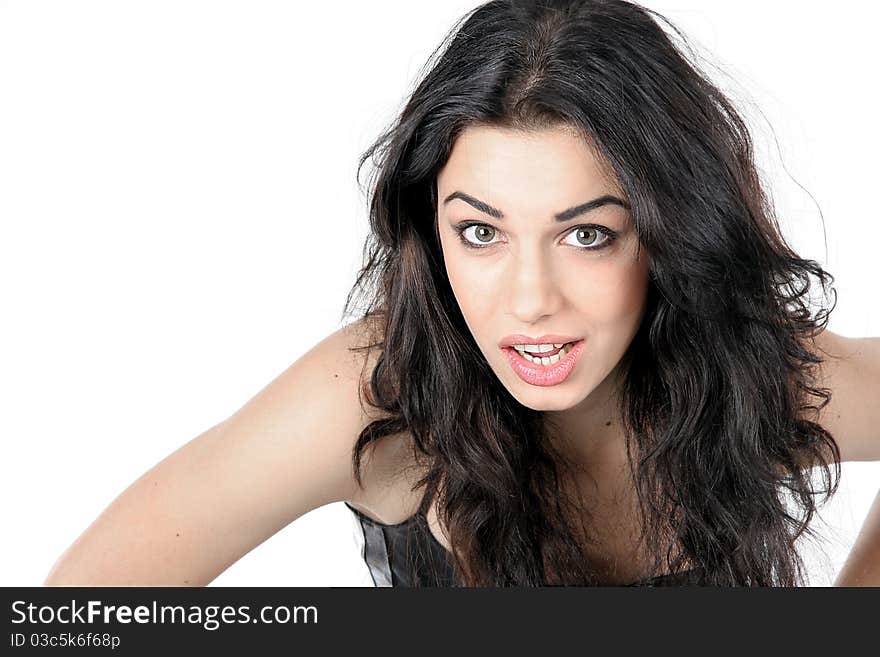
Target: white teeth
[
  {"x": 545, "y": 360},
  {"x": 536, "y": 348}
]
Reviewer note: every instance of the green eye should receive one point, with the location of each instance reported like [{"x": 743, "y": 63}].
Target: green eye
[
  {"x": 587, "y": 236},
  {"x": 484, "y": 233}
]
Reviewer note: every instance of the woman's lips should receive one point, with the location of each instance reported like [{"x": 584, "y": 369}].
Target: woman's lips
[{"x": 544, "y": 375}]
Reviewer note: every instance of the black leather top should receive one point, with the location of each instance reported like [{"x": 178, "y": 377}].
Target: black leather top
[
  {"x": 405, "y": 554},
  {"x": 408, "y": 554}
]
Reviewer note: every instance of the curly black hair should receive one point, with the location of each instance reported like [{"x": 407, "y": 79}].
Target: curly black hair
[{"x": 719, "y": 381}]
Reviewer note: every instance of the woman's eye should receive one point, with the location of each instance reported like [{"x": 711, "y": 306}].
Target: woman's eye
[
  {"x": 590, "y": 238},
  {"x": 585, "y": 238},
  {"x": 482, "y": 235}
]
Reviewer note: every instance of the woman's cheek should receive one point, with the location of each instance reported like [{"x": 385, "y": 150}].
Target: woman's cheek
[
  {"x": 633, "y": 287},
  {"x": 470, "y": 287}
]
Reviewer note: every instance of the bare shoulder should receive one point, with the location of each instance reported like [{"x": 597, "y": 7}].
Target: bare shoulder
[
  {"x": 335, "y": 372},
  {"x": 315, "y": 407},
  {"x": 851, "y": 371},
  {"x": 390, "y": 467}
]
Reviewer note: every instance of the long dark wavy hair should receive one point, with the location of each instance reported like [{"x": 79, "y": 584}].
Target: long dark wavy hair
[{"x": 718, "y": 382}]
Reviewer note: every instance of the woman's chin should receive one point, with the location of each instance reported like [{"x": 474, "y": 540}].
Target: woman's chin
[{"x": 537, "y": 398}]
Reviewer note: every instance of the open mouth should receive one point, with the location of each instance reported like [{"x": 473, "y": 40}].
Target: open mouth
[
  {"x": 545, "y": 357},
  {"x": 541, "y": 369}
]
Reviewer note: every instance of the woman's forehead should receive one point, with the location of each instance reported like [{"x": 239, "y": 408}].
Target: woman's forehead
[{"x": 536, "y": 171}]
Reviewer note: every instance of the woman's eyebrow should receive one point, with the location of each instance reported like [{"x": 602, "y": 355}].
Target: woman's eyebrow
[{"x": 565, "y": 215}]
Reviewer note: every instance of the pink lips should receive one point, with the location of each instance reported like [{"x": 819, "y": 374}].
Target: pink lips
[{"x": 541, "y": 375}]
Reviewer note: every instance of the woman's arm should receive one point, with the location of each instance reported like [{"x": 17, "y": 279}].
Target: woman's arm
[
  {"x": 851, "y": 370},
  {"x": 186, "y": 520},
  {"x": 862, "y": 567},
  {"x": 852, "y": 373}
]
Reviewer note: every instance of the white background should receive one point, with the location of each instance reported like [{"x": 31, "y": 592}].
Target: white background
[{"x": 181, "y": 221}]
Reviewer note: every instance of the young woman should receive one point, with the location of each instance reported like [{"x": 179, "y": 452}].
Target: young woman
[{"x": 586, "y": 354}]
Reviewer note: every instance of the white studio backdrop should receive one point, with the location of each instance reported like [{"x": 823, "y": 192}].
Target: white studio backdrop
[{"x": 181, "y": 221}]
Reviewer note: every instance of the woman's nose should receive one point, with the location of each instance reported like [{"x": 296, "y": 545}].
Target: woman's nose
[{"x": 533, "y": 290}]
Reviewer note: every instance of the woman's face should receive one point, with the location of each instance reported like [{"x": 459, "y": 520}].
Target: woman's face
[{"x": 533, "y": 273}]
